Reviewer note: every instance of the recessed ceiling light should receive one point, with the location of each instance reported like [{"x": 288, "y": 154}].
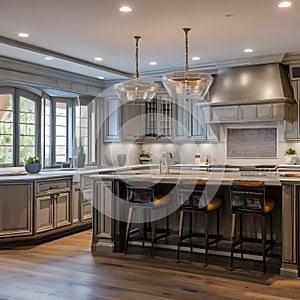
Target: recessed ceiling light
[
  {"x": 98, "y": 58},
  {"x": 48, "y": 58},
  {"x": 196, "y": 58},
  {"x": 100, "y": 77},
  {"x": 23, "y": 34},
  {"x": 153, "y": 63},
  {"x": 284, "y": 4},
  {"x": 125, "y": 9},
  {"x": 248, "y": 50}
]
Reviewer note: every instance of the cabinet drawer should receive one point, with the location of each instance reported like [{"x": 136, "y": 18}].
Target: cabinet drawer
[{"x": 53, "y": 186}]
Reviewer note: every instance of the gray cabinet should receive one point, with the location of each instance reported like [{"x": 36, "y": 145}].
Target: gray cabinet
[
  {"x": 133, "y": 121},
  {"x": 190, "y": 122},
  {"x": 86, "y": 199},
  {"x": 53, "y": 204},
  {"x": 112, "y": 131},
  {"x": 159, "y": 118},
  {"x": 292, "y": 128},
  {"x": 290, "y": 266},
  {"x": 16, "y": 202},
  {"x": 103, "y": 216}
]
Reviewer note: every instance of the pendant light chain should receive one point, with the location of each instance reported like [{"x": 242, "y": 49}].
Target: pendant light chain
[
  {"x": 137, "y": 75},
  {"x": 186, "y": 31}
]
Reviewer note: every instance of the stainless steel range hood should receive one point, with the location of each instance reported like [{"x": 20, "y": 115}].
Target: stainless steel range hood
[
  {"x": 251, "y": 84},
  {"x": 241, "y": 89}
]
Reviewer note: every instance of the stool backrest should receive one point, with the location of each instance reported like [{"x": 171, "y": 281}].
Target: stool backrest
[
  {"x": 247, "y": 195},
  {"x": 139, "y": 192},
  {"x": 192, "y": 196}
]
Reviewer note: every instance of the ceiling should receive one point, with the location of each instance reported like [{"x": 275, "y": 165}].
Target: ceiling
[{"x": 74, "y": 32}]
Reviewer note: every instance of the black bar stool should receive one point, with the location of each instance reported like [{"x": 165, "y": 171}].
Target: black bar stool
[
  {"x": 194, "y": 198},
  {"x": 248, "y": 197},
  {"x": 147, "y": 206}
]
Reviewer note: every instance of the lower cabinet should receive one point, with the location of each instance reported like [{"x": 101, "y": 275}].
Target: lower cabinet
[
  {"x": 52, "y": 211},
  {"x": 86, "y": 199},
  {"x": 16, "y": 200},
  {"x": 53, "y": 205}
]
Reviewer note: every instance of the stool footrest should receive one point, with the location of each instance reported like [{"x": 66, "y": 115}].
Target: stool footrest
[
  {"x": 254, "y": 240},
  {"x": 216, "y": 238}
]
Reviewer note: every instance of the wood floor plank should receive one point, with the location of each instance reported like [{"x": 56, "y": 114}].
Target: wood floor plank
[{"x": 65, "y": 269}]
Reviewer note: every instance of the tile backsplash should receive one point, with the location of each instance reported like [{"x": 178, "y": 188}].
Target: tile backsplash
[{"x": 251, "y": 143}]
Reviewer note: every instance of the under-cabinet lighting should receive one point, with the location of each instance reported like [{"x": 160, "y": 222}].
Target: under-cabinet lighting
[
  {"x": 248, "y": 50},
  {"x": 153, "y": 63},
  {"x": 98, "y": 58},
  {"x": 196, "y": 58}
]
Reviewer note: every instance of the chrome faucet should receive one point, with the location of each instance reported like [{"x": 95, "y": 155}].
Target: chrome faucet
[{"x": 163, "y": 165}]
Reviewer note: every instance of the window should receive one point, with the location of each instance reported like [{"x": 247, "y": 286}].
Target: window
[
  {"x": 85, "y": 129},
  {"x": 28, "y": 129},
  {"x": 19, "y": 126},
  {"x": 31, "y": 125},
  {"x": 6, "y": 126}
]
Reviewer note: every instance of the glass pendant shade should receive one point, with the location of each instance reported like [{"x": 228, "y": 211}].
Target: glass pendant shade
[
  {"x": 136, "y": 89},
  {"x": 186, "y": 83}
]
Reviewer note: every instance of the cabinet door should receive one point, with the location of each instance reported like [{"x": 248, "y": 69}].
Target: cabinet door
[
  {"x": 181, "y": 125},
  {"x": 164, "y": 117},
  {"x": 198, "y": 131},
  {"x": 134, "y": 121},
  {"x": 103, "y": 205},
  {"x": 86, "y": 204},
  {"x": 44, "y": 213},
  {"x": 16, "y": 209},
  {"x": 112, "y": 119},
  {"x": 291, "y": 128},
  {"x": 62, "y": 209}
]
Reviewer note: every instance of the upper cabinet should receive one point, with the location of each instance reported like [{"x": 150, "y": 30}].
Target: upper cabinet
[
  {"x": 291, "y": 128},
  {"x": 162, "y": 119},
  {"x": 133, "y": 121},
  {"x": 190, "y": 122},
  {"x": 159, "y": 117},
  {"x": 112, "y": 119}
]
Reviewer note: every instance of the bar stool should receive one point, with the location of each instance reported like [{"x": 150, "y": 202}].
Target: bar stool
[
  {"x": 142, "y": 200},
  {"x": 248, "y": 198},
  {"x": 194, "y": 198}
]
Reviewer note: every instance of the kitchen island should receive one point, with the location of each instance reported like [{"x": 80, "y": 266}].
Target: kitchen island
[{"x": 110, "y": 210}]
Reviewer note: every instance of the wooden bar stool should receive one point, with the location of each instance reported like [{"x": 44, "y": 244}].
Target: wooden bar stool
[
  {"x": 248, "y": 197},
  {"x": 193, "y": 198},
  {"x": 142, "y": 200}
]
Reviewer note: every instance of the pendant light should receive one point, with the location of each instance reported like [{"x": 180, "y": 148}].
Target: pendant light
[
  {"x": 136, "y": 89},
  {"x": 187, "y": 84}
]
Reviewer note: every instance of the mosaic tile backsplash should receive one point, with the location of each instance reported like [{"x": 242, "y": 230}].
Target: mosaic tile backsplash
[{"x": 251, "y": 142}]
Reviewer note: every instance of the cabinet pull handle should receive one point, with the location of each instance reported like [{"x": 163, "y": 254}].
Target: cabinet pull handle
[{"x": 54, "y": 187}]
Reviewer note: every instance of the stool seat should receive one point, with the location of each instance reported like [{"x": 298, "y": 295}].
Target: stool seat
[
  {"x": 214, "y": 204},
  {"x": 269, "y": 205},
  {"x": 161, "y": 200}
]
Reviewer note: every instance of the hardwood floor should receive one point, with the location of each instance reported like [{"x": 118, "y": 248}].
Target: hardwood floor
[{"x": 65, "y": 269}]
